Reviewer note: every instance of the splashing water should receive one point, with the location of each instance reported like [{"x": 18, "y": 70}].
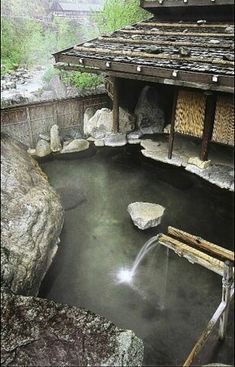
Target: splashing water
[{"x": 126, "y": 275}]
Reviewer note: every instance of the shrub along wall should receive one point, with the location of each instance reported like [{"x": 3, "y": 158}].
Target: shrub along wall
[{"x": 26, "y": 122}]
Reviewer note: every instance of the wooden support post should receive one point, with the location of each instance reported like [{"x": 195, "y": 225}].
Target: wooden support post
[
  {"x": 208, "y": 124},
  {"x": 115, "y": 82},
  {"x": 226, "y": 292},
  {"x": 172, "y": 131}
]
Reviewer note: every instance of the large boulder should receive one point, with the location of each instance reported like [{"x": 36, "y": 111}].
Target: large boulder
[
  {"x": 43, "y": 148},
  {"x": 37, "y": 332},
  {"x": 101, "y": 123},
  {"x": 32, "y": 219},
  {"x": 149, "y": 113},
  {"x": 145, "y": 215}
]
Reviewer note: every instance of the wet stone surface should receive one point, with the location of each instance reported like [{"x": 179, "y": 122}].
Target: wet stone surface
[{"x": 37, "y": 332}]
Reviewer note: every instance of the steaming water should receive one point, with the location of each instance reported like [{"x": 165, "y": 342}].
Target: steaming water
[
  {"x": 99, "y": 239},
  {"x": 127, "y": 275}
]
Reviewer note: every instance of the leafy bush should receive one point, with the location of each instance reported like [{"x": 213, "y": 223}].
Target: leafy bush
[
  {"x": 119, "y": 13},
  {"x": 82, "y": 80}
]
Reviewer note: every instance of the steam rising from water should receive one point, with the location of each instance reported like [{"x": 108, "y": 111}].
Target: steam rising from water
[{"x": 125, "y": 275}]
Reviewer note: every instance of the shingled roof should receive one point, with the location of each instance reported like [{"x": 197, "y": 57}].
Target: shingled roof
[{"x": 197, "y": 54}]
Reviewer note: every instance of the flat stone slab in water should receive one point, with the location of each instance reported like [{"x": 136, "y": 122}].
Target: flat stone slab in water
[{"x": 145, "y": 215}]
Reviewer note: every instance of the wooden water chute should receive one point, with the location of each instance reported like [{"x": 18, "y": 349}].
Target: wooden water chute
[{"x": 214, "y": 258}]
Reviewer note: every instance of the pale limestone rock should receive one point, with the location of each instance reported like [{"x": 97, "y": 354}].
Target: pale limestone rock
[
  {"x": 116, "y": 140},
  {"x": 44, "y": 137},
  {"x": 133, "y": 141},
  {"x": 89, "y": 113},
  {"x": 99, "y": 143},
  {"x": 167, "y": 129},
  {"x": 55, "y": 139},
  {"x": 101, "y": 123},
  {"x": 43, "y": 148},
  {"x": 145, "y": 215},
  {"x": 198, "y": 163},
  {"x": 135, "y": 135},
  {"x": 150, "y": 145},
  {"x": 76, "y": 145},
  {"x": 91, "y": 139},
  {"x": 32, "y": 152}
]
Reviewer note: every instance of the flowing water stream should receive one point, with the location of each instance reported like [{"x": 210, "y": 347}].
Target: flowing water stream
[{"x": 166, "y": 301}]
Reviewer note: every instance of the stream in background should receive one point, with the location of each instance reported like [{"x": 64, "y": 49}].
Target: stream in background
[{"x": 99, "y": 238}]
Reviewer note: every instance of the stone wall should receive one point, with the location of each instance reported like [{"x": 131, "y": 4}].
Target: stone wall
[{"x": 26, "y": 122}]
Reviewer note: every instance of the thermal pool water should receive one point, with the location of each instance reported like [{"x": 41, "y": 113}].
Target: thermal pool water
[{"x": 169, "y": 301}]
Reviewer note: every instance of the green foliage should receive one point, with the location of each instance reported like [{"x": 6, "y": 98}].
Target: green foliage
[
  {"x": 26, "y": 40},
  {"x": 82, "y": 80},
  {"x": 119, "y": 13}
]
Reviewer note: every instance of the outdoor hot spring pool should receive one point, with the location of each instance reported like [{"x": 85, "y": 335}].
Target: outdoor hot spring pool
[{"x": 171, "y": 300}]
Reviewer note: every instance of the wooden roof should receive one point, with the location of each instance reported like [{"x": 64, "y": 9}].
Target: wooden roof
[
  {"x": 190, "y": 9},
  {"x": 193, "y": 54}
]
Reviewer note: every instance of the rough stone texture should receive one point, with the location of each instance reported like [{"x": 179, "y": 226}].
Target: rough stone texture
[
  {"x": 198, "y": 163},
  {"x": 89, "y": 113},
  {"x": 101, "y": 123},
  {"x": 99, "y": 143},
  {"x": 32, "y": 219},
  {"x": 220, "y": 172},
  {"x": 44, "y": 137},
  {"x": 150, "y": 115},
  {"x": 37, "y": 332},
  {"x": 32, "y": 152},
  {"x": 145, "y": 215},
  {"x": 135, "y": 135},
  {"x": 58, "y": 87},
  {"x": 115, "y": 140},
  {"x": 55, "y": 139},
  {"x": 76, "y": 145},
  {"x": 43, "y": 148}
]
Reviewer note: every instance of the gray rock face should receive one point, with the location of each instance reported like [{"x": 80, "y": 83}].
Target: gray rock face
[
  {"x": 57, "y": 86},
  {"x": 37, "y": 332},
  {"x": 101, "y": 123},
  {"x": 32, "y": 219},
  {"x": 76, "y": 145},
  {"x": 55, "y": 139},
  {"x": 150, "y": 115},
  {"x": 115, "y": 140},
  {"x": 145, "y": 215},
  {"x": 43, "y": 148}
]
